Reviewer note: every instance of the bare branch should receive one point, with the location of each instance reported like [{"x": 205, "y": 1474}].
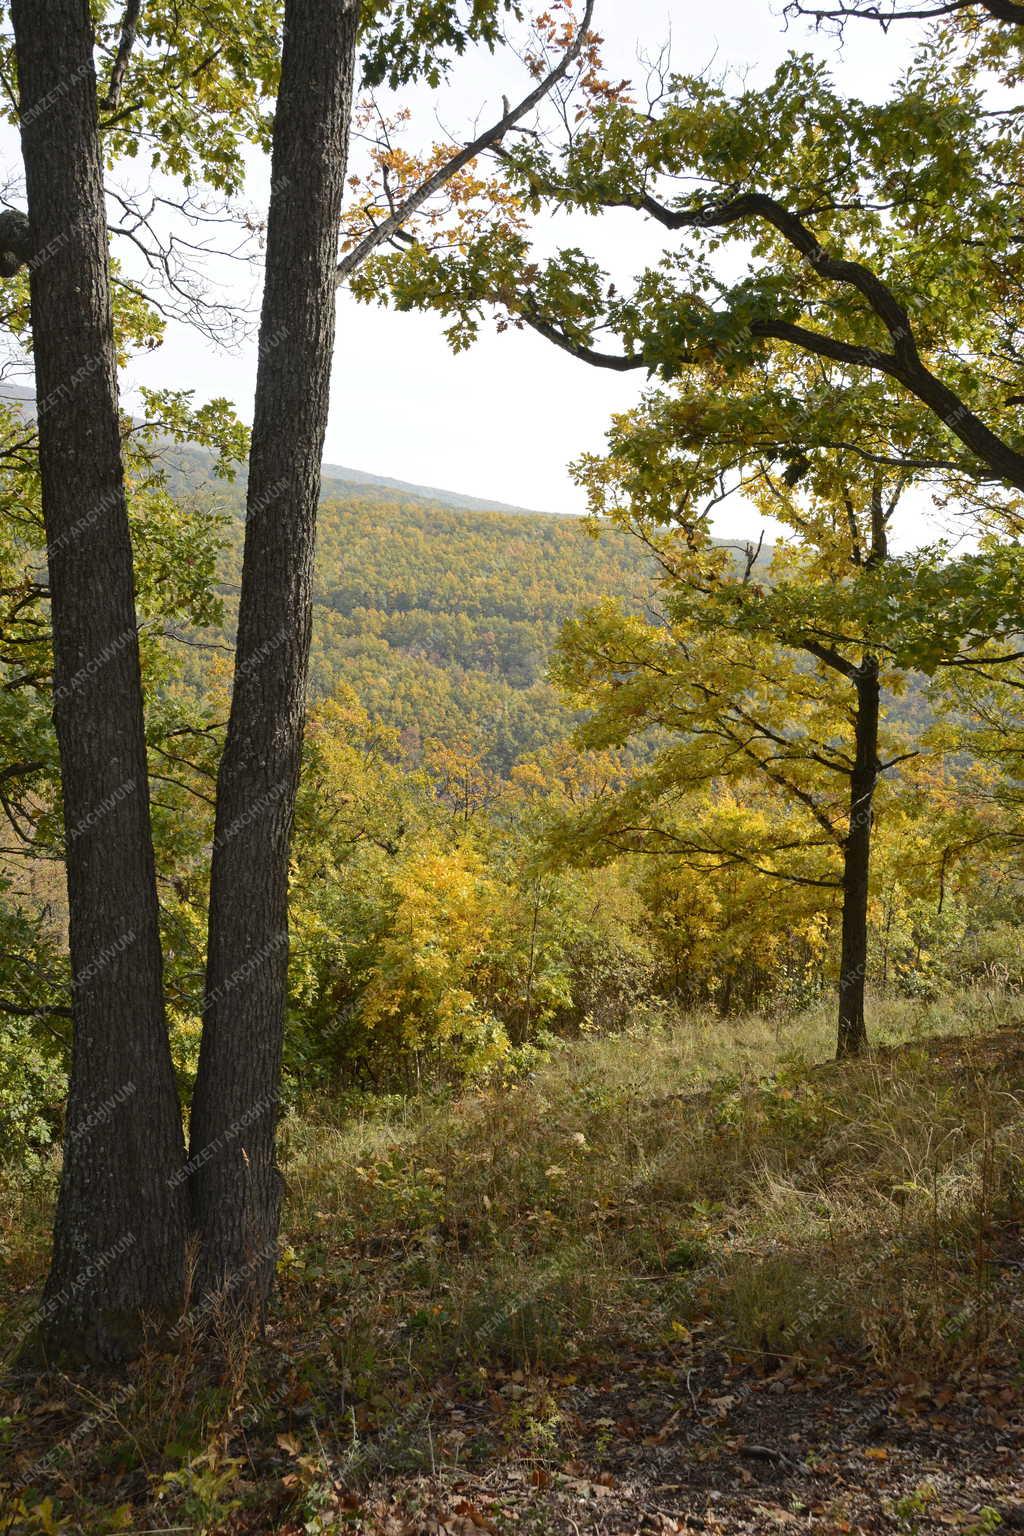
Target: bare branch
[{"x": 850, "y": 10}]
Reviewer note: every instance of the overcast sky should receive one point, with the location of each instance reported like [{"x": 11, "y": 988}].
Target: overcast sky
[{"x": 503, "y": 420}]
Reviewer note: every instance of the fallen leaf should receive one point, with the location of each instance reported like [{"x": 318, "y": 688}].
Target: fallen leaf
[{"x": 476, "y": 1517}]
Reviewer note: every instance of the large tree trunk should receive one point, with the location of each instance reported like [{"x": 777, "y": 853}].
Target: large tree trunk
[
  {"x": 235, "y": 1181},
  {"x": 119, "y": 1243},
  {"x": 853, "y": 962}
]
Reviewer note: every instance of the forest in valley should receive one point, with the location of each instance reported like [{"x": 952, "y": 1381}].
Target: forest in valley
[{"x": 512, "y": 1020}]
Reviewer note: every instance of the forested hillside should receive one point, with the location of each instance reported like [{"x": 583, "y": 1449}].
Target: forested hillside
[
  {"x": 439, "y": 609},
  {"x": 442, "y": 619}
]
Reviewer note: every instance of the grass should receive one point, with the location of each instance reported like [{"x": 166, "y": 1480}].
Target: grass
[
  {"x": 706, "y": 1170},
  {"x": 631, "y": 1192}
]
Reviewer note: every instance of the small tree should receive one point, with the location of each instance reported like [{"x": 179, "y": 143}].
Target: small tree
[
  {"x": 879, "y": 290},
  {"x": 777, "y": 664}
]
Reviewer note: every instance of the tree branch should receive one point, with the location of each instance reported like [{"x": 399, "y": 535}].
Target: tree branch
[
  {"x": 1001, "y": 10},
  {"x": 24, "y": 1011},
  {"x": 831, "y": 658},
  {"x": 622, "y": 362},
  {"x": 129, "y": 31},
  {"x": 903, "y": 363},
  {"x": 484, "y": 141}
]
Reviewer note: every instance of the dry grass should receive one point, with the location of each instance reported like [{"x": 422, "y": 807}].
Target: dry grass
[
  {"x": 712, "y": 1169},
  {"x": 630, "y": 1189}
]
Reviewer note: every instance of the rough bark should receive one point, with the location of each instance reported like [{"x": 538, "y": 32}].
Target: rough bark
[
  {"x": 235, "y": 1182},
  {"x": 119, "y": 1242},
  {"x": 852, "y": 1035}
]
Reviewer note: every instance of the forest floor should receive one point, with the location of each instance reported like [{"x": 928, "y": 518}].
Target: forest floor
[
  {"x": 699, "y": 1279},
  {"x": 653, "y": 1443}
]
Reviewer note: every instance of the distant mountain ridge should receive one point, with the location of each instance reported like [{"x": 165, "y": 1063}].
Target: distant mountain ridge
[
  {"x": 337, "y": 479},
  {"x": 336, "y": 475}
]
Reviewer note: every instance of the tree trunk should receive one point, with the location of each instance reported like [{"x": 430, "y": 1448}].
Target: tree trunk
[
  {"x": 119, "y": 1241},
  {"x": 856, "y": 866},
  {"x": 235, "y": 1181}
]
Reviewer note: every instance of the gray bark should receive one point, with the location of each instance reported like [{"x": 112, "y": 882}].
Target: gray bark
[
  {"x": 119, "y": 1241},
  {"x": 235, "y": 1182}
]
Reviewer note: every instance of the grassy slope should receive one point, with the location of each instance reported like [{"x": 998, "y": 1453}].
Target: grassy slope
[
  {"x": 709, "y": 1170},
  {"x": 452, "y": 1271}
]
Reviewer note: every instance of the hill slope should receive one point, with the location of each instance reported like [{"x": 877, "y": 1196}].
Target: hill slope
[
  {"x": 189, "y": 469},
  {"x": 442, "y": 619}
]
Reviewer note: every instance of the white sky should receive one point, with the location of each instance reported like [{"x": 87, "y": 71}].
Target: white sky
[{"x": 503, "y": 420}]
